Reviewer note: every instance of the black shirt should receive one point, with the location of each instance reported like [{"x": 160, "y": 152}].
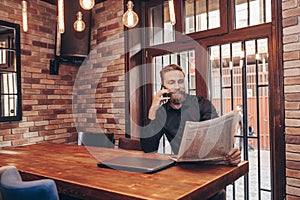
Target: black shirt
[{"x": 171, "y": 122}]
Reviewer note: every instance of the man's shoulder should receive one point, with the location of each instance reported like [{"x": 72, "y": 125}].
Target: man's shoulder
[
  {"x": 199, "y": 98},
  {"x": 196, "y": 99}
]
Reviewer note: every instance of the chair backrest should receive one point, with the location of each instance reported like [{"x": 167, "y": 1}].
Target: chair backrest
[
  {"x": 129, "y": 144},
  {"x": 2, "y": 169},
  {"x": 96, "y": 139},
  {"x": 12, "y": 187}
]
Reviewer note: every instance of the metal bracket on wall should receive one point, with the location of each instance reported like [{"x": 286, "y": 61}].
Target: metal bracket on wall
[
  {"x": 54, "y": 66},
  {"x": 55, "y": 63}
]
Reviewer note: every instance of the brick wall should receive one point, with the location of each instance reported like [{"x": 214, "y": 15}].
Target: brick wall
[
  {"x": 47, "y": 99},
  {"x": 291, "y": 48},
  {"x": 99, "y": 86}
]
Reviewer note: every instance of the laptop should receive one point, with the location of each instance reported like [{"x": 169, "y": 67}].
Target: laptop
[{"x": 136, "y": 164}]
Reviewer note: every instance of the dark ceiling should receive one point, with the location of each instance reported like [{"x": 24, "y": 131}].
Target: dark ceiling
[{"x": 54, "y": 1}]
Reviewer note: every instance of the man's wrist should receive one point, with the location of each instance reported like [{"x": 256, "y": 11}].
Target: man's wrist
[{"x": 152, "y": 113}]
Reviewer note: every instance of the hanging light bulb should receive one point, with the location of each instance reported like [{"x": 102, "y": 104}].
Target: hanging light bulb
[
  {"x": 87, "y": 4},
  {"x": 24, "y": 15},
  {"x": 79, "y": 24},
  {"x": 130, "y": 18},
  {"x": 61, "y": 20},
  {"x": 172, "y": 12}
]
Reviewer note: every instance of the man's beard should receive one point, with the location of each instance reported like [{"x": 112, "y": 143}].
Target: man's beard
[{"x": 178, "y": 97}]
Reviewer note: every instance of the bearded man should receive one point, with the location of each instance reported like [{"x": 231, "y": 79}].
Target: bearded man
[{"x": 170, "y": 109}]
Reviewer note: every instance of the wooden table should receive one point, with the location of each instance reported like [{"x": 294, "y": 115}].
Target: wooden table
[{"x": 75, "y": 171}]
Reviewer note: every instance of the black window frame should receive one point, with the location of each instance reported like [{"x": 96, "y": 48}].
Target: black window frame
[{"x": 18, "y": 116}]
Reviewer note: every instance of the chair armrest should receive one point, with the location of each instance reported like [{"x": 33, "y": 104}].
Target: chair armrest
[{"x": 12, "y": 187}]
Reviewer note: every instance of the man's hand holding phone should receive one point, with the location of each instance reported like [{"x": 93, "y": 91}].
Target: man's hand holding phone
[
  {"x": 166, "y": 94},
  {"x": 161, "y": 96}
]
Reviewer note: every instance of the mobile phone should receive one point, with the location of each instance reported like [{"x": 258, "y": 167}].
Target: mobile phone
[{"x": 165, "y": 94}]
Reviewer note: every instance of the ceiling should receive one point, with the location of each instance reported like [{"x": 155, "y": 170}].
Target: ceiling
[{"x": 54, "y": 1}]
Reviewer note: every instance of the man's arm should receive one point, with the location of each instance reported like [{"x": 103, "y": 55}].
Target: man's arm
[
  {"x": 156, "y": 103},
  {"x": 152, "y": 133},
  {"x": 150, "y": 136}
]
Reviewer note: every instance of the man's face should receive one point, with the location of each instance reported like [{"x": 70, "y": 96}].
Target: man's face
[{"x": 174, "y": 81}]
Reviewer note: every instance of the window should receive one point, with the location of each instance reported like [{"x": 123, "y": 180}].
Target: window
[
  {"x": 10, "y": 78},
  {"x": 239, "y": 76},
  {"x": 238, "y": 65},
  {"x": 162, "y": 31},
  {"x": 253, "y": 12},
  {"x": 201, "y": 15}
]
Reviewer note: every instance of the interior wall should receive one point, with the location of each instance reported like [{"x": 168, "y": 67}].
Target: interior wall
[
  {"x": 99, "y": 87},
  {"x": 291, "y": 59},
  {"x": 47, "y": 100}
]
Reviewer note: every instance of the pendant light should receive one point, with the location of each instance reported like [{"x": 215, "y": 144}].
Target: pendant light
[
  {"x": 172, "y": 12},
  {"x": 130, "y": 18},
  {"x": 87, "y": 4},
  {"x": 60, "y": 17},
  {"x": 79, "y": 24},
  {"x": 24, "y": 16}
]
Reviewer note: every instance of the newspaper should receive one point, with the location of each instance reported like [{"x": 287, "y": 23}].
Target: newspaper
[{"x": 207, "y": 140}]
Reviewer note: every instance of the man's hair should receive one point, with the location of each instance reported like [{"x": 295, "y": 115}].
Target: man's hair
[{"x": 168, "y": 68}]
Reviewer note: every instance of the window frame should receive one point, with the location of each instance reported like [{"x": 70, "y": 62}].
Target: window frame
[
  {"x": 18, "y": 116},
  {"x": 179, "y": 26}
]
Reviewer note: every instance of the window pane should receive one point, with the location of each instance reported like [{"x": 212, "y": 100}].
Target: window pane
[
  {"x": 189, "y": 16},
  {"x": 252, "y": 12},
  {"x": 201, "y": 15},
  {"x": 213, "y": 14},
  {"x": 161, "y": 29},
  {"x": 8, "y": 94}
]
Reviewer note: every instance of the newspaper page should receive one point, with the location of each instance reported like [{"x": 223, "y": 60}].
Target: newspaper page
[{"x": 207, "y": 140}]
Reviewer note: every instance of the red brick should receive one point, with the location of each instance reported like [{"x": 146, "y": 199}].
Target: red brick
[
  {"x": 20, "y": 142},
  {"x": 291, "y": 13},
  {"x": 294, "y": 55},
  {"x": 12, "y": 137}
]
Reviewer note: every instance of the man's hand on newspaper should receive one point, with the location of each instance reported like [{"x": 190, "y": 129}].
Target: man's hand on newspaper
[{"x": 234, "y": 156}]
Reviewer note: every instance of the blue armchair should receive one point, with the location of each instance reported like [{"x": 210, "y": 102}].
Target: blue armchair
[{"x": 13, "y": 187}]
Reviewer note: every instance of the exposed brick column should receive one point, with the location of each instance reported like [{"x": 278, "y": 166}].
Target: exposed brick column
[{"x": 291, "y": 48}]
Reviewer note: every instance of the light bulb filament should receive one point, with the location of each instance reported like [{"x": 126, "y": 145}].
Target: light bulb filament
[{"x": 130, "y": 18}]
